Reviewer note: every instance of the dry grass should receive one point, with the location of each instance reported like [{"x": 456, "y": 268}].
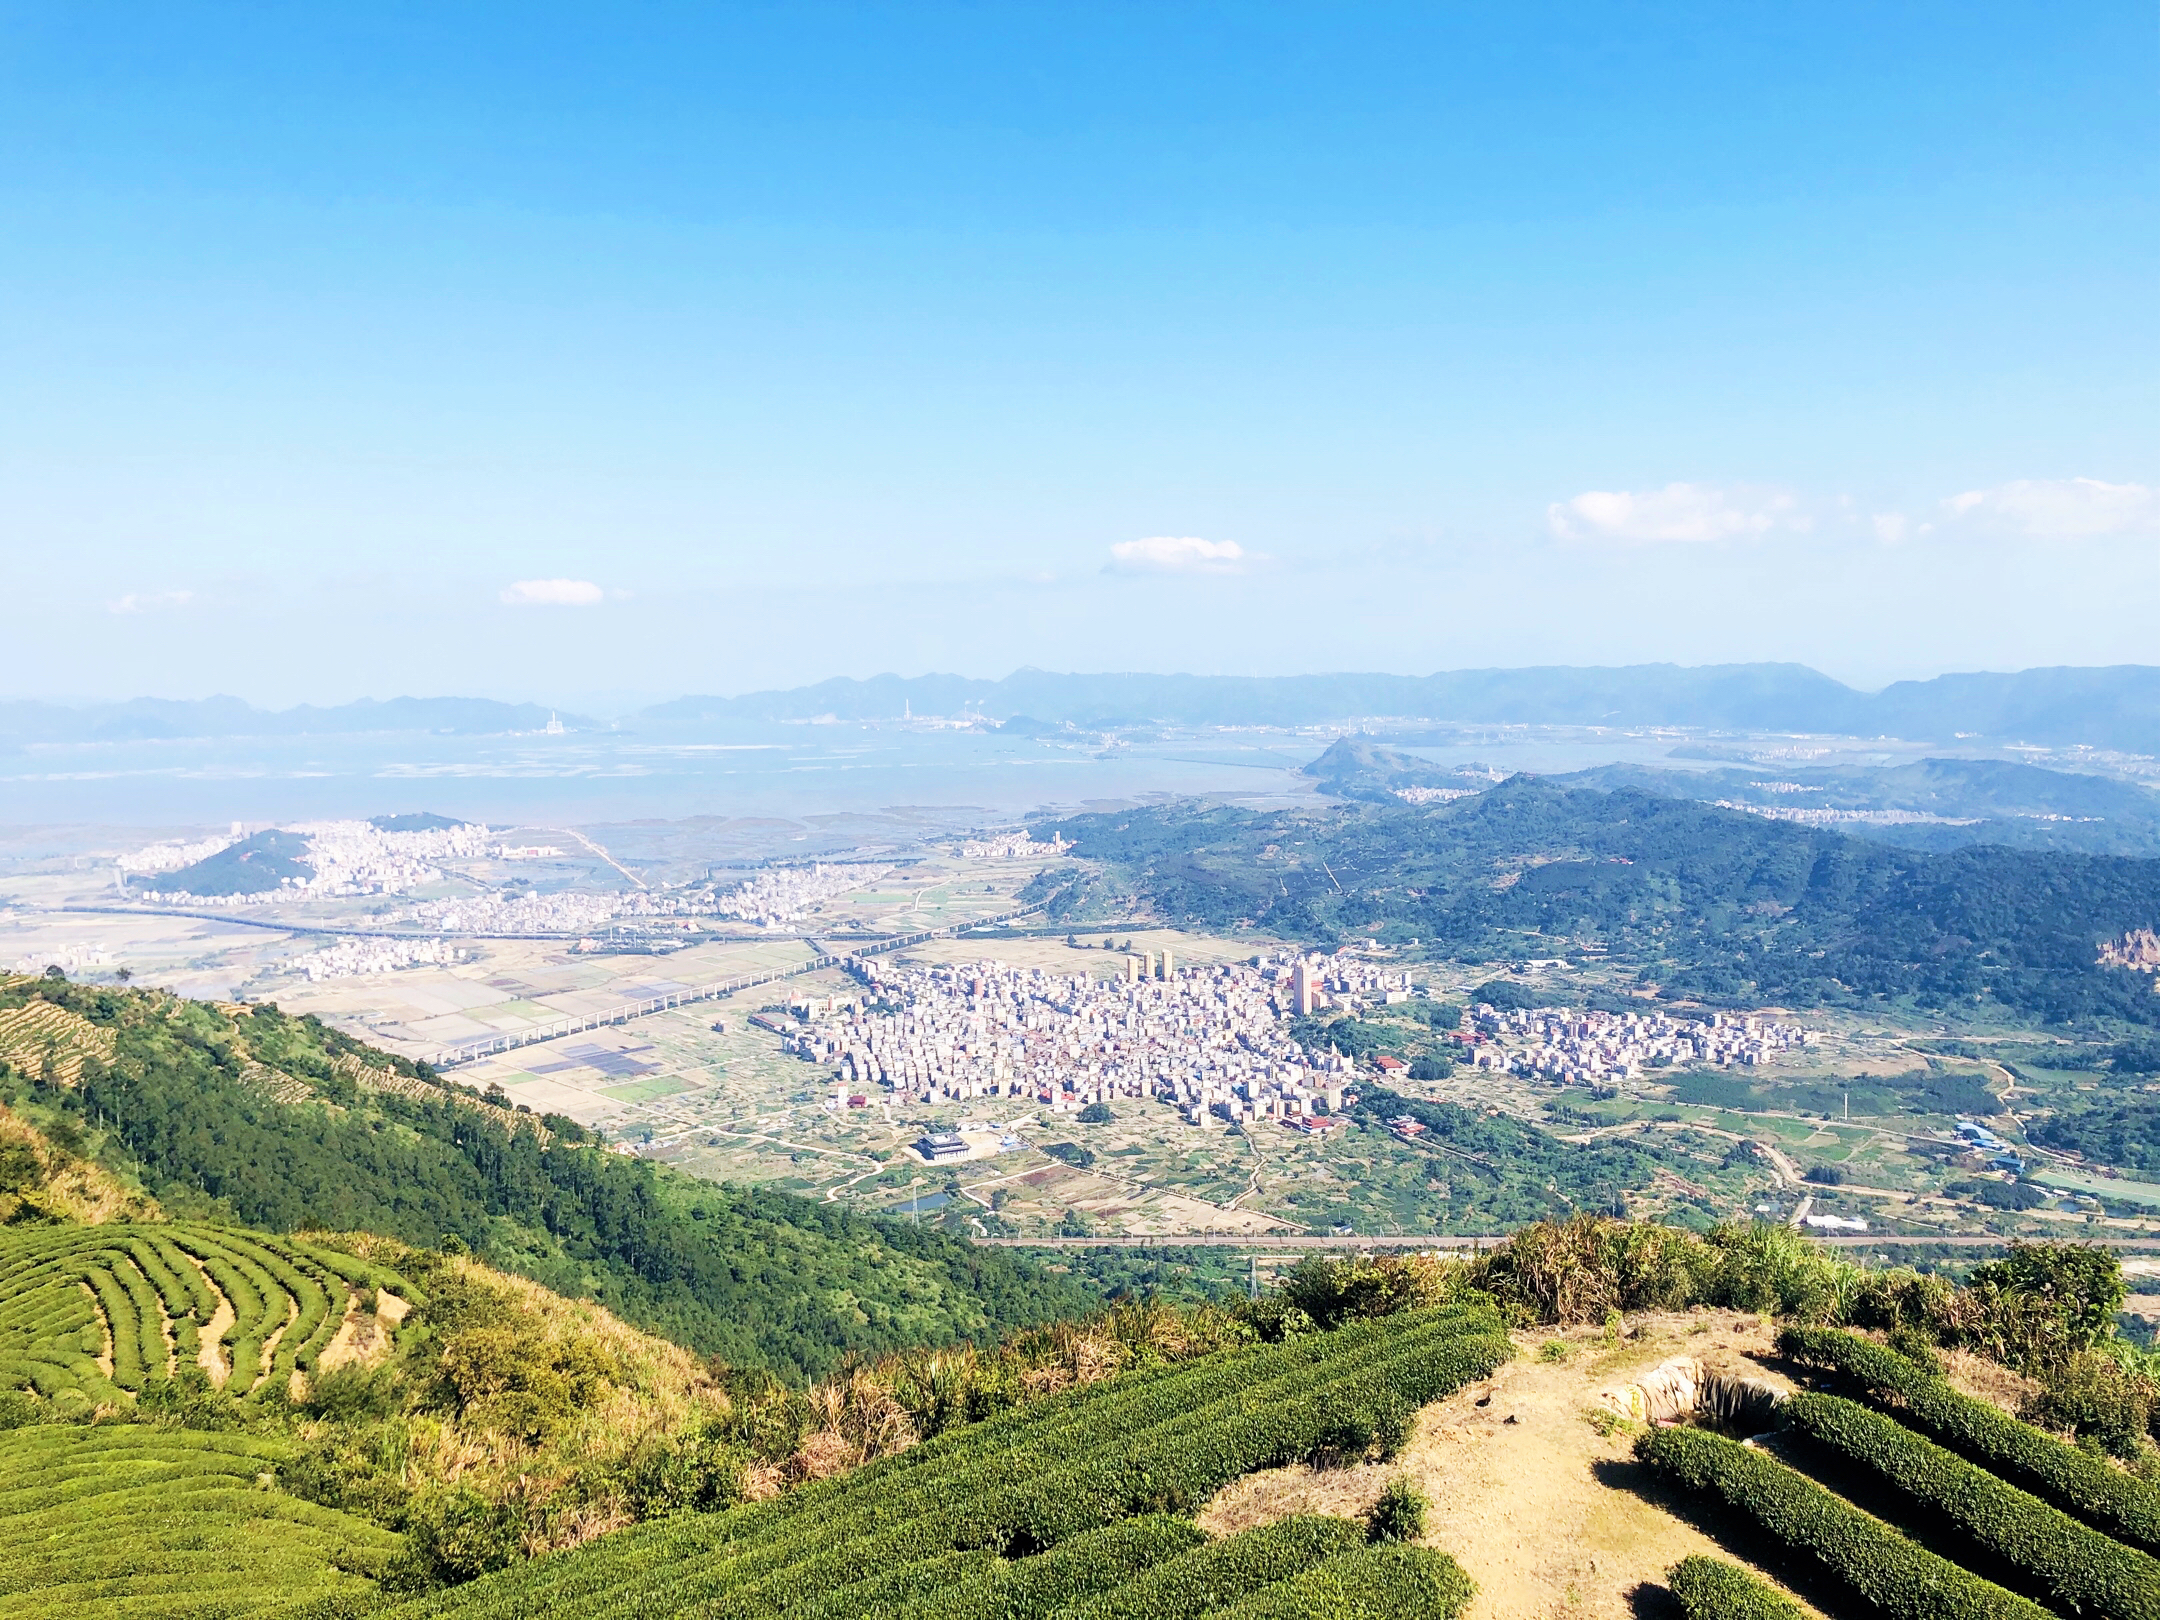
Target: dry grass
[{"x": 74, "y": 1189}]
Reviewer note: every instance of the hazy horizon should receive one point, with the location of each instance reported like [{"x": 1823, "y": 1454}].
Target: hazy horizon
[{"x": 621, "y": 703}]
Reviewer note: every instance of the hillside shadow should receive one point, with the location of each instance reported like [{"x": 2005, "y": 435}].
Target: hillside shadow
[{"x": 1739, "y": 1537}]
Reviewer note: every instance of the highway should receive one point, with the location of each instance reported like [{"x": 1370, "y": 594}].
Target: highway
[{"x": 1456, "y": 1240}]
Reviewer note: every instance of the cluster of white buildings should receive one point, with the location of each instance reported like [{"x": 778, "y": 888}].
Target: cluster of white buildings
[
  {"x": 1822, "y": 816},
  {"x": 1305, "y": 984},
  {"x": 69, "y": 959},
  {"x": 348, "y": 857},
  {"x": 1012, "y": 846},
  {"x": 1212, "y": 1041},
  {"x": 774, "y": 899},
  {"x": 172, "y": 855},
  {"x": 354, "y": 858},
  {"x": 514, "y": 914},
  {"x": 353, "y": 958},
  {"x": 1564, "y": 1044}
]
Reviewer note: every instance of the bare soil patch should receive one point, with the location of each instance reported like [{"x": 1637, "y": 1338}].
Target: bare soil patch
[
  {"x": 1534, "y": 1498},
  {"x": 210, "y": 1351}
]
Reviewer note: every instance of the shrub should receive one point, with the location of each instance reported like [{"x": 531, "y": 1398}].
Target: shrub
[
  {"x": 1096, "y": 1113},
  {"x": 1896, "y": 1575},
  {"x": 1576, "y": 1270},
  {"x": 1273, "y": 1319},
  {"x": 2071, "y": 1566},
  {"x": 2041, "y": 1304},
  {"x": 1917, "y": 1348},
  {"x": 1898, "y": 1298},
  {"x": 1711, "y": 1589},
  {"x": 2083, "y": 1486},
  {"x": 456, "y": 1534},
  {"x": 1774, "y": 1270},
  {"x": 1332, "y": 1292},
  {"x": 1827, "y": 1175},
  {"x": 1399, "y": 1515},
  {"x": 698, "y": 1473},
  {"x": 2096, "y": 1398},
  {"x": 354, "y": 1394}
]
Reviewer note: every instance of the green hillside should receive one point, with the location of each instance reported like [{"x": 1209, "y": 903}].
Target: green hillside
[
  {"x": 255, "y": 865},
  {"x": 153, "y": 1522},
  {"x": 249, "y": 1116},
  {"x": 1061, "y": 1509},
  {"x": 1708, "y": 901}
]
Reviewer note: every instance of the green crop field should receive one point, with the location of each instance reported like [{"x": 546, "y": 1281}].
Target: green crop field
[
  {"x": 2006, "y": 1522},
  {"x": 1065, "y": 1509},
  {"x": 168, "y": 1524},
  {"x": 91, "y": 1314}
]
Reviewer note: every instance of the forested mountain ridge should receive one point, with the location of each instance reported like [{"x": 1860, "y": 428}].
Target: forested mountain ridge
[
  {"x": 1706, "y": 900},
  {"x": 2106, "y": 707},
  {"x": 1954, "y": 803},
  {"x": 249, "y": 1115}
]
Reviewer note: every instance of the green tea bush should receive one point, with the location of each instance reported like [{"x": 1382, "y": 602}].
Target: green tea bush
[
  {"x": 1374, "y": 1583},
  {"x": 1221, "y": 1572},
  {"x": 1026, "y": 1484},
  {"x": 2084, "y": 1486},
  {"x": 143, "y": 1295},
  {"x": 1028, "y": 1588},
  {"x": 164, "y": 1524},
  {"x": 1711, "y": 1589},
  {"x": 2063, "y": 1562},
  {"x": 1900, "y": 1577}
]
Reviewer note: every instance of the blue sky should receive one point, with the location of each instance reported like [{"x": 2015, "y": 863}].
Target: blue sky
[{"x": 576, "y": 352}]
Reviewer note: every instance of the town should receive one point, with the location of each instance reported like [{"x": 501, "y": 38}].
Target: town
[
  {"x": 1212, "y": 1041},
  {"x": 356, "y": 958},
  {"x": 777, "y": 898},
  {"x": 1565, "y": 1045}
]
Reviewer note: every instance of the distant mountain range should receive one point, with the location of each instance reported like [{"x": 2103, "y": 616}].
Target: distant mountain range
[
  {"x": 142, "y": 719},
  {"x": 1704, "y": 901},
  {"x": 2115, "y": 707},
  {"x": 1934, "y": 804}
]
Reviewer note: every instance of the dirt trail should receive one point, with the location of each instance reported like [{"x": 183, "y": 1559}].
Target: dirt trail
[
  {"x": 1527, "y": 1495},
  {"x": 210, "y": 1352}
]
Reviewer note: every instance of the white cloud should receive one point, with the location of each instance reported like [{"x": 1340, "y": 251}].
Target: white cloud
[
  {"x": 1178, "y": 554},
  {"x": 1895, "y": 528},
  {"x": 150, "y": 601},
  {"x": 553, "y": 593},
  {"x": 2061, "y": 508},
  {"x": 1688, "y": 513}
]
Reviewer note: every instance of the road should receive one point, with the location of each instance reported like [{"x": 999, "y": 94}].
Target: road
[{"x": 1452, "y": 1240}]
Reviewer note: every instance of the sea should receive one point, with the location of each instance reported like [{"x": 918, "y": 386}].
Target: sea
[{"x": 959, "y": 774}]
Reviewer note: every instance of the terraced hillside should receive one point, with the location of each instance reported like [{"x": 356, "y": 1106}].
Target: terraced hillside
[
  {"x": 1905, "y": 1497},
  {"x": 156, "y": 1524},
  {"x": 245, "y": 1116},
  {"x": 1060, "y": 1509},
  {"x": 90, "y": 1315}
]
